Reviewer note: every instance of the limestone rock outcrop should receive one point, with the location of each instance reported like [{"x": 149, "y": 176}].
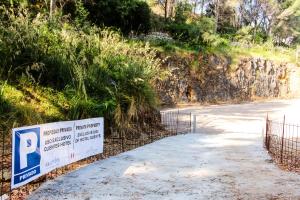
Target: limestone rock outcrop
[{"x": 214, "y": 79}]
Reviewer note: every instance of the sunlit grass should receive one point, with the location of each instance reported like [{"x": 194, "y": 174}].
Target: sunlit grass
[
  {"x": 27, "y": 105},
  {"x": 236, "y": 53},
  {"x": 275, "y": 54}
]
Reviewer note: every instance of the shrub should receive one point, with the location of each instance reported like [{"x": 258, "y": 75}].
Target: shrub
[
  {"x": 205, "y": 24},
  {"x": 182, "y": 11},
  {"x": 96, "y": 69},
  {"x": 158, "y": 23},
  {"x": 183, "y": 32},
  {"x": 192, "y": 33},
  {"x": 127, "y": 15},
  {"x": 246, "y": 35},
  {"x": 215, "y": 41},
  {"x": 243, "y": 35}
]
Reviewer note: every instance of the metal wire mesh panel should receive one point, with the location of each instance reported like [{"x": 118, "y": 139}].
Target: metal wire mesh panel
[
  {"x": 116, "y": 141},
  {"x": 176, "y": 122},
  {"x": 283, "y": 143},
  {"x": 5, "y": 164}
]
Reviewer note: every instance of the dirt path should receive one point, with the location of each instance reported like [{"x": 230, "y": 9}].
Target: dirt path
[{"x": 224, "y": 160}]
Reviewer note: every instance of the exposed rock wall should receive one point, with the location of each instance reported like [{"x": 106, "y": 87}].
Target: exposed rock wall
[{"x": 213, "y": 79}]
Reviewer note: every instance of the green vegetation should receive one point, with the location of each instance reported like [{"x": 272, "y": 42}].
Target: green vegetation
[
  {"x": 277, "y": 54},
  {"x": 72, "y": 59},
  {"x": 221, "y": 29},
  {"x": 56, "y": 69}
]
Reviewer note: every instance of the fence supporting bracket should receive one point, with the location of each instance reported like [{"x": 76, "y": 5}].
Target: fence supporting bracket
[
  {"x": 282, "y": 140},
  {"x": 194, "y": 123}
]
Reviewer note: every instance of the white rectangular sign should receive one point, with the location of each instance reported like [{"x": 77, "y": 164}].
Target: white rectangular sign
[{"x": 39, "y": 149}]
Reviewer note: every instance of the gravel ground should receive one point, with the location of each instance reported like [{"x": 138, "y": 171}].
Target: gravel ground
[{"x": 224, "y": 159}]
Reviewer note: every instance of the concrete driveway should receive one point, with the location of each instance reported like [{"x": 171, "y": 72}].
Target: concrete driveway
[{"x": 224, "y": 159}]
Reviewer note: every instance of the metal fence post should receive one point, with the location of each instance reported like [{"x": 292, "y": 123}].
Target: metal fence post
[
  {"x": 150, "y": 136},
  {"x": 267, "y": 131},
  {"x": 2, "y": 164},
  {"x": 194, "y": 123},
  {"x": 282, "y": 140},
  {"x": 177, "y": 122},
  {"x": 122, "y": 140},
  {"x": 190, "y": 122}
]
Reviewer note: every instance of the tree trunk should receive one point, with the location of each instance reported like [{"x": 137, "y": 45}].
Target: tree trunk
[
  {"x": 202, "y": 7},
  {"x": 172, "y": 4},
  {"x": 166, "y": 9},
  {"x": 217, "y": 14},
  {"x": 195, "y": 6},
  {"x": 52, "y": 7}
]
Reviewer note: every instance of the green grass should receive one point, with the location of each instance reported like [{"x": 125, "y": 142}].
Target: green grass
[
  {"x": 174, "y": 48},
  {"x": 236, "y": 53},
  {"x": 27, "y": 105},
  {"x": 276, "y": 54},
  {"x": 74, "y": 72}
]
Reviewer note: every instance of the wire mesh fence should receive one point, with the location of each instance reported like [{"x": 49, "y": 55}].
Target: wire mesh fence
[
  {"x": 177, "y": 122},
  {"x": 116, "y": 141},
  {"x": 283, "y": 143}
]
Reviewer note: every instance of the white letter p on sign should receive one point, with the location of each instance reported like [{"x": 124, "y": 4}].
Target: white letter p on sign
[{"x": 28, "y": 144}]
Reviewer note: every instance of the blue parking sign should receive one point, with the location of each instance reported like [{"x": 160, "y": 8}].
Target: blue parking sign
[
  {"x": 27, "y": 156},
  {"x": 39, "y": 149}
]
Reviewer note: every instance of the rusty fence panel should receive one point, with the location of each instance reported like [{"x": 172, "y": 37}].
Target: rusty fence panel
[
  {"x": 177, "y": 122},
  {"x": 115, "y": 142},
  {"x": 282, "y": 140}
]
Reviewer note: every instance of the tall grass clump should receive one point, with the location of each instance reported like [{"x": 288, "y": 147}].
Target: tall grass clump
[{"x": 97, "y": 72}]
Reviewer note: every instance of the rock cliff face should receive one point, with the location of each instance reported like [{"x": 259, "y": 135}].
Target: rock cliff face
[{"x": 213, "y": 79}]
